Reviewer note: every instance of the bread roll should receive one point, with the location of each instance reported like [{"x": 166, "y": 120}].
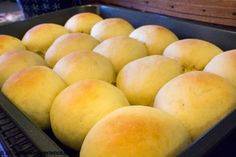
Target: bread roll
[
  {"x": 15, "y": 61},
  {"x": 77, "y": 108},
  {"x": 198, "y": 99},
  {"x": 193, "y": 54},
  {"x": 136, "y": 131},
  {"x": 224, "y": 65},
  {"x": 78, "y": 66},
  {"x": 111, "y": 27},
  {"x": 82, "y": 22},
  {"x": 121, "y": 50},
  {"x": 141, "y": 79},
  {"x": 9, "y": 43},
  {"x": 156, "y": 37},
  {"x": 40, "y": 37},
  {"x": 69, "y": 43},
  {"x": 33, "y": 90}
]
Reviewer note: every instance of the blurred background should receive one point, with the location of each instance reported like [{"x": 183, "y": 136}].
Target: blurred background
[
  {"x": 15, "y": 10},
  {"x": 9, "y": 11}
]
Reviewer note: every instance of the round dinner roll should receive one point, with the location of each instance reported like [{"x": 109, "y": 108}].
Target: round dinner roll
[
  {"x": 198, "y": 99},
  {"x": 111, "y": 27},
  {"x": 69, "y": 43},
  {"x": 193, "y": 54},
  {"x": 9, "y": 43},
  {"x": 78, "y": 66},
  {"x": 141, "y": 79},
  {"x": 82, "y": 22},
  {"x": 40, "y": 37},
  {"x": 136, "y": 131},
  {"x": 15, "y": 61},
  {"x": 33, "y": 90},
  {"x": 121, "y": 50},
  {"x": 78, "y": 107},
  {"x": 224, "y": 64},
  {"x": 156, "y": 37}
]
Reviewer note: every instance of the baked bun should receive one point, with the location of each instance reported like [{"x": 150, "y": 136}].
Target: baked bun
[
  {"x": 82, "y": 22},
  {"x": 33, "y": 90},
  {"x": 193, "y": 54},
  {"x": 224, "y": 65},
  {"x": 9, "y": 43},
  {"x": 78, "y": 107},
  {"x": 40, "y": 37},
  {"x": 15, "y": 61},
  {"x": 198, "y": 99},
  {"x": 111, "y": 27},
  {"x": 69, "y": 43},
  {"x": 141, "y": 79},
  {"x": 78, "y": 66},
  {"x": 156, "y": 37},
  {"x": 136, "y": 131},
  {"x": 121, "y": 50}
]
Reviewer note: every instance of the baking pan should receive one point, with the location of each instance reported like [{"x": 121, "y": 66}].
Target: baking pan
[
  {"x": 21, "y": 137},
  {"x": 42, "y": 143}
]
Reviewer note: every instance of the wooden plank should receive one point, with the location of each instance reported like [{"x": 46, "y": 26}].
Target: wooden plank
[
  {"x": 222, "y": 3},
  {"x": 195, "y": 9},
  {"x": 215, "y": 20},
  {"x": 160, "y": 8}
]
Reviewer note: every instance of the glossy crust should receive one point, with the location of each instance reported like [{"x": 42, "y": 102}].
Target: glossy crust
[
  {"x": 136, "y": 131},
  {"x": 141, "y": 79},
  {"x": 156, "y": 37},
  {"x": 77, "y": 108},
  {"x": 121, "y": 50},
  {"x": 198, "y": 99},
  {"x": 78, "y": 66},
  {"x": 40, "y": 37},
  {"x": 15, "y": 61},
  {"x": 224, "y": 65},
  {"x": 9, "y": 43},
  {"x": 69, "y": 43},
  {"x": 111, "y": 27},
  {"x": 33, "y": 90},
  {"x": 82, "y": 22},
  {"x": 193, "y": 54}
]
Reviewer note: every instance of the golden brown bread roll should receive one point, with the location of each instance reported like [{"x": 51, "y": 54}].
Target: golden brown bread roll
[
  {"x": 9, "y": 43},
  {"x": 224, "y": 65},
  {"x": 78, "y": 107},
  {"x": 136, "y": 131},
  {"x": 193, "y": 54},
  {"x": 156, "y": 37},
  {"x": 69, "y": 43},
  {"x": 198, "y": 99},
  {"x": 78, "y": 66},
  {"x": 111, "y": 27},
  {"x": 141, "y": 79},
  {"x": 15, "y": 61},
  {"x": 121, "y": 50},
  {"x": 33, "y": 90},
  {"x": 40, "y": 37},
  {"x": 82, "y": 22}
]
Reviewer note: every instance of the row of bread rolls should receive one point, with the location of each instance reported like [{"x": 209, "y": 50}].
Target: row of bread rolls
[{"x": 149, "y": 65}]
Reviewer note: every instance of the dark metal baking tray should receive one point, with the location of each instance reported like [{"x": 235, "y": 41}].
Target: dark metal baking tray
[{"x": 42, "y": 143}]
